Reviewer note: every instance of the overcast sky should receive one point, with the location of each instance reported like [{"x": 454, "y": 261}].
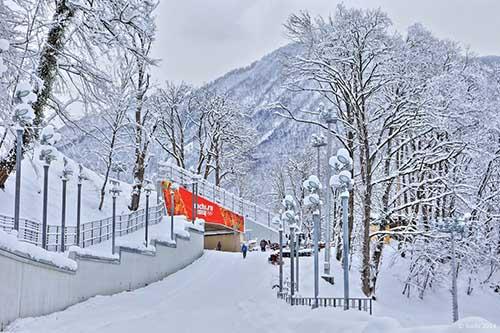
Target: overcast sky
[{"x": 200, "y": 40}]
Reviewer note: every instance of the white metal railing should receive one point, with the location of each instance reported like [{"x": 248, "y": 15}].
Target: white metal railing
[
  {"x": 226, "y": 199},
  {"x": 91, "y": 233}
]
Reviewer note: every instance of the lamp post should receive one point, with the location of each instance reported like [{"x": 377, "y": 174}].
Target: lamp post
[
  {"x": 66, "y": 173},
  {"x": 329, "y": 116},
  {"x": 342, "y": 182},
  {"x": 298, "y": 237},
  {"x": 19, "y": 154},
  {"x": 279, "y": 221},
  {"x": 47, "y": 154},
  {"x": 194, "y": 196},
  {"x": 148, "y": 188},
  {"x": 313, "y": 202},
  {"x": 23, "y": 116},
  {"x": 173, "y": 187},
  {"x": 318, "y": 141},
  {"x": 81, "y": 178},
  {"x": 291, "y": 218},
  {"x": 453, "y": 226},
  {"x": 115, "y": 192}
]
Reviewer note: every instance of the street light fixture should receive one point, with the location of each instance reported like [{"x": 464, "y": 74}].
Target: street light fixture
[
  {"x": 81, "y": 178},
  {"x": 148, "y": 188},
  {"x": 291, "y": 218},
  {"x": 115, "y": 192},
  {"x": 277, "y": 220},
  {"x": 173, "y": 187},
  {"x": 47, "y": 154},
  {"x": 342, "y": 182},
  {"x": 66, "y": 173},
  {"x": 329, "y": 116},
  {"x": 313, "y": 202},
  {"x": 23, "y": 116}
]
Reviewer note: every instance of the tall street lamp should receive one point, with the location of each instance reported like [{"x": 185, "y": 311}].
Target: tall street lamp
[
  {"x": 66, "y": 173},
  {"x": 279, "y": 221},
  {"x": 318, "y": 141},
  {"x": 23, "y": 116},
  {"x": 148, "y": 188},
  {"x": 342, "y": 181},
  {"x": 115, "y": 192},
  {"x": 329, "y": 116},
  {"x": 289, "y": 216},
  {"x": 453, "y": 226},
  {"x": 313, "y": 202},
  {"x": 81, "y": 177},
  {"x": 48, "y": 137},
  {"x": 173, "y": 187},
  {"x": 298, "y": 236}
]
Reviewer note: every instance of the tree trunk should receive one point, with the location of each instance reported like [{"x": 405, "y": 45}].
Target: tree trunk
[
  {"x": 366, "y": 172},
  {"x": 47, "y": 72},
  {"x": 379, "y": 247}
]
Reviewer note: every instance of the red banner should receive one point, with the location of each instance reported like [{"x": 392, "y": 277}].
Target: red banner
[{"x": 210, "y": 211}]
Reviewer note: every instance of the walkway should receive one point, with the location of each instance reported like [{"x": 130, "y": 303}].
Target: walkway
[{"x": 219, "y": 293}]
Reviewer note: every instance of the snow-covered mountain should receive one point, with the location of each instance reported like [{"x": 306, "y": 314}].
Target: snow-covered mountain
[{"x": 257, "y": 87}]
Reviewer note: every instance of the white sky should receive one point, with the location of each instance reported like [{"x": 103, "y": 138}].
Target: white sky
[{"x": 200, "y": 40}]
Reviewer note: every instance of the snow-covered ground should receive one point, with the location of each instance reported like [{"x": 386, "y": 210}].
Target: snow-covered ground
[
  {"x": 32, "y": 193},
  {"x": 434, "y": 309},
  {"x": 9, "y": 242},
  {"x": 220, "y": 292}
]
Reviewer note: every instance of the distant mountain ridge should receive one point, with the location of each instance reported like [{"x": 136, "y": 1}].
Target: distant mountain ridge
[{"x": 258, "y": 86}]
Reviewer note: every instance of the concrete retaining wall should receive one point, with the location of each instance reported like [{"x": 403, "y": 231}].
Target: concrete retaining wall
[{"x": 29, "y": 288}]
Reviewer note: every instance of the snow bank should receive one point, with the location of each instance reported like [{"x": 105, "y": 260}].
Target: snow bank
[
  {"x": 9, "y": 242},
  {"x": 466, "y": 325}
]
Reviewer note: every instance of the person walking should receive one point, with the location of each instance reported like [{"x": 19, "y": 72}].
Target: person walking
[
  {"x": 244, "y": 249},
  {"x": 219, "y": 246},
  {"x": 263, "y": 244}
]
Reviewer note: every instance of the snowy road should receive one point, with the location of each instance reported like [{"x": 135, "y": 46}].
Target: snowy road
[{"x": 220, "y": 293}]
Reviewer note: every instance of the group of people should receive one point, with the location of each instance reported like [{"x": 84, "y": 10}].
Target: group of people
[{"x": 263, "y": 246}]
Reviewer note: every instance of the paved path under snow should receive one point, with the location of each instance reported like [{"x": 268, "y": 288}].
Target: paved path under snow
[{"x": 219, "y": 293}]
